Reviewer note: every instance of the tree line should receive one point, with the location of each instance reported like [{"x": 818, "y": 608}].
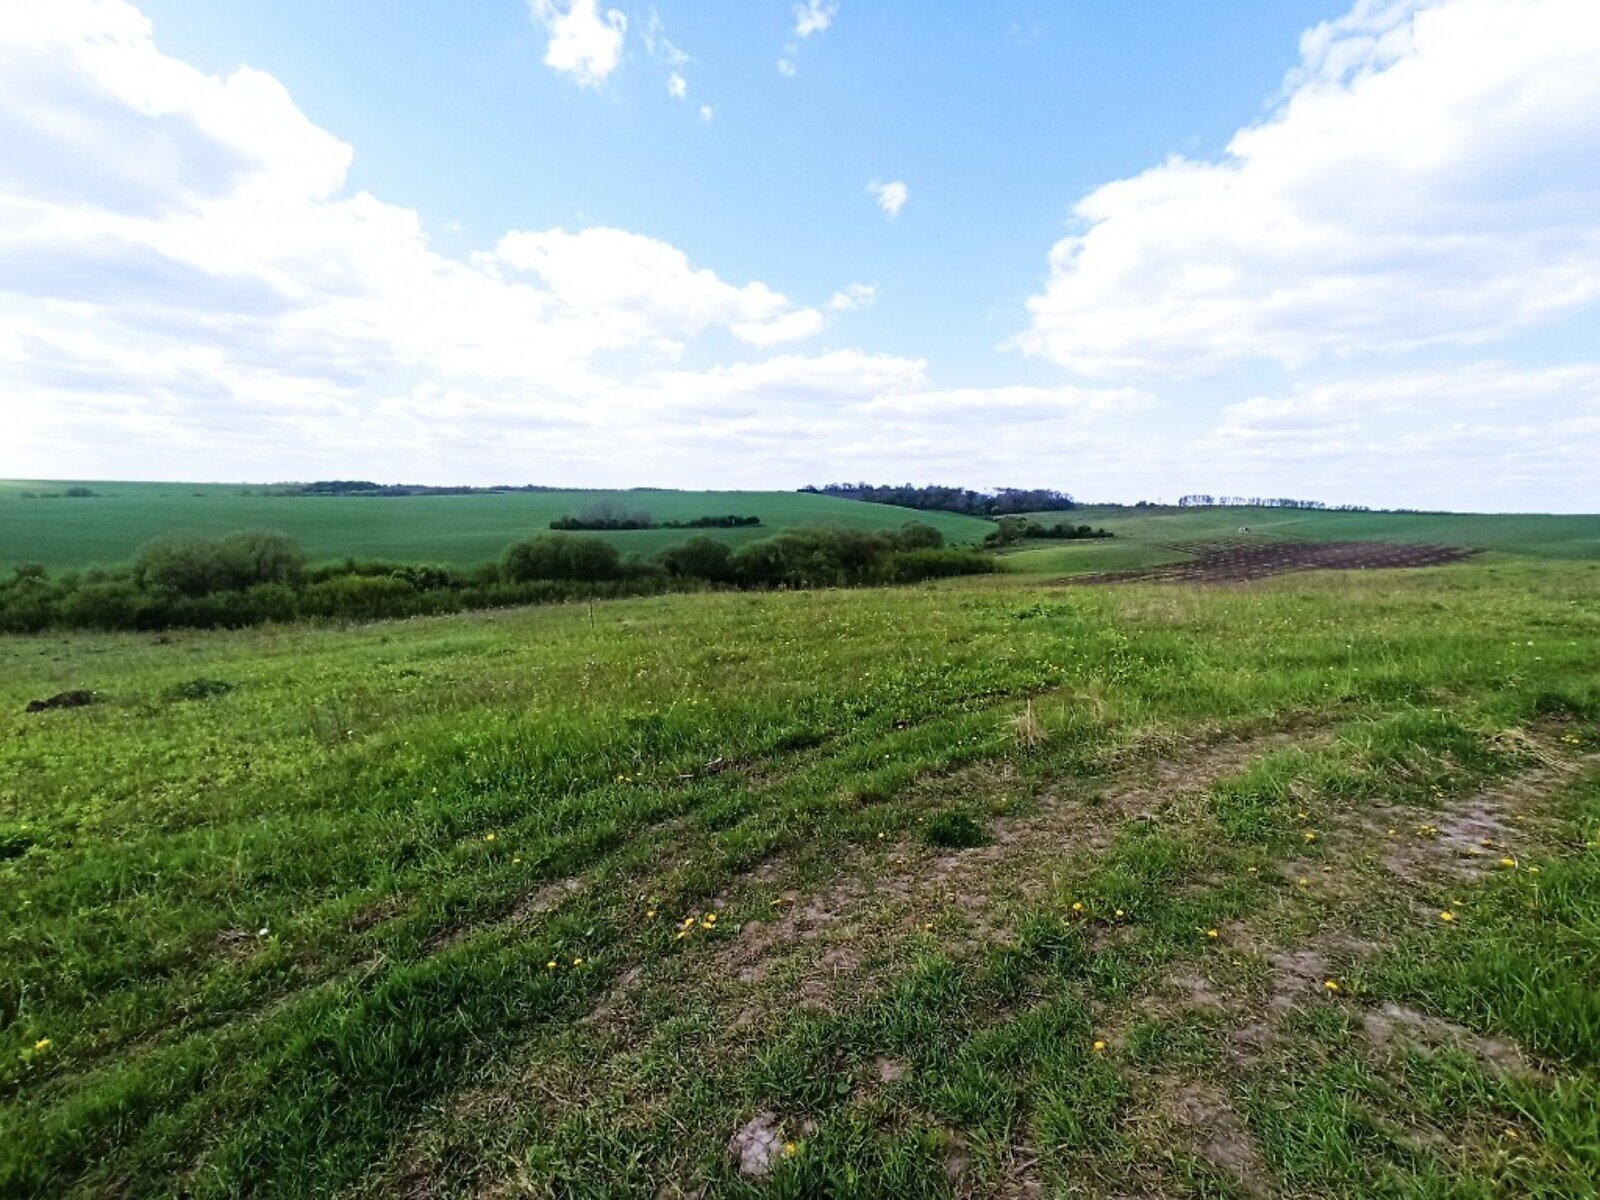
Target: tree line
[
  {"x": 252, "y": 577},
  {"x": 1205, "y": 500},
  {"x": 936, "y": 498},
  {"x": 608, "y": 517}
]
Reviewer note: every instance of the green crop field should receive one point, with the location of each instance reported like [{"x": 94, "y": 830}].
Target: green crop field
[
  {"x": 108, "y": 528},
  {"x": 983, "y": 887},
  {"x": 1539, "y": 535}
]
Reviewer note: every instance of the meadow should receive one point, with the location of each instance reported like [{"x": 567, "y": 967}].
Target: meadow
[
  {"x": 979, "y": 887},
  {"x": 107, "y": 529}
]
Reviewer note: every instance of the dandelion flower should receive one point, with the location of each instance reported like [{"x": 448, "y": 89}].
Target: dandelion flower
[
  {"x": 1077, "y": 907},
  {"x": 1447, "y": 916},
  {"x": 1120, "y": 913},
  {"x": 1309, "y": 835},
  {"x": 1508, "y": 862},
  {"x": 551, "y": 965},
  {"x": 41, "y": 1045},
  {"x": 577, "y": 962},
  {"x": 1099, "y": 1047},
  {"x": 1212, "y": 933},
  {"x": 790, "y": 1149},
  {"x": 1332, "y": 985},
  {"x": 488, "y": 837},
  {"x": 650, "y": 913}
]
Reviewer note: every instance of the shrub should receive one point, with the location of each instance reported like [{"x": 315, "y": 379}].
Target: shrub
[
  {"x": 700, "y": 558},
  {"x": 200, "y": 566},
  {"x": 554, "y": 557},
  {"x": 918, "y": 535}
]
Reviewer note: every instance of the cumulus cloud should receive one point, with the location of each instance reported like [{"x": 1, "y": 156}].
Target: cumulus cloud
[
  {"x": 856, "y": 295},
  {"x": 221, "y": 304},
  {"x": 814, "y": 16},
  {"x": 786, "y": 66},
  {"x": 1426, "y": 179},
  {"x": 891, "y": 197},
  {"x": 677, "y": 86},
  {"x": 707, "y": 113},
  {"x": 585, "y": 45},
  {"x": 1525, "y": 437}
]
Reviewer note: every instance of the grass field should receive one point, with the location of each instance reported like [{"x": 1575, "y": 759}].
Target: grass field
[
  {"x": 1149, "y": 537},
  {"x": 1284, "y": 888},
  {"x": 107, "y": 529}
]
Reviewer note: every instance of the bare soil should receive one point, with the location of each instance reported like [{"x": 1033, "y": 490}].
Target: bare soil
[{"x": 1239, "y": 560}]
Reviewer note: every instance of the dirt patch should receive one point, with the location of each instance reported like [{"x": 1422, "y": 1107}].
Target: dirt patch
[
  {"x": 1217, "y": 1134},
  {"x": 1235, "y": 561},
  {"x": 73, "y": 699},
  {"x": 1389, "y": 1026}
]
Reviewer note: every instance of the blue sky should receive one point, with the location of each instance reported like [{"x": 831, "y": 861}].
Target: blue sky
[{"x": 1291, "y": 249}]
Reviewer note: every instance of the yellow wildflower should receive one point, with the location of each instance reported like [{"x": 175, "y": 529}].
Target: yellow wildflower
[
  {"x": 1077, "y": 907},
  {"x": 1212, "y": 933},
  {"x": 551, "y": 965},
  {"x": 488, "y": 837},
  {"x": 790, "y": 1149},
  {"x": 577, "y": 962},
  {"x": 41, "y": 1045},
  {"x": 1099, "y": 1047},
  {"x": 1508, "y": 862},
  {"x": 1332, "y": 985},
  {"x": 1447, "y": 916}
]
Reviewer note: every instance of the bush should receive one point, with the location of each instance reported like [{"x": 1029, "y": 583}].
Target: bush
[
  {"x": 700, "y": 558},
  {"x": 554, "y": 557},
  {"x": 201, "y": 566},
  {"x": 918, "y": 535},
  {"x": 908, "y": 566}
]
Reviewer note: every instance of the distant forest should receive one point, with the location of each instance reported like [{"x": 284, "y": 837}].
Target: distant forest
[
  {"x": 1205, "y": 500},
  {"x": 933, "y": 498}
]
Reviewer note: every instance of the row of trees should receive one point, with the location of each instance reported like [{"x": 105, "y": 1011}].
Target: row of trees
[
  {"x": 1205, "y": 500},
  {"x": 248, "y": 578},
  {"x": 1012, "y": 530},
  {"x": 937, "y": 498},
  {"x": 605, "y": 516}
]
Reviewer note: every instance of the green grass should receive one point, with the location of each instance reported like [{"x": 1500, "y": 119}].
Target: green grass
[
  {"x": 108, "y": 528},
  {"x": 278, "y": 911},
  {"x": 1538, "y": 535}
]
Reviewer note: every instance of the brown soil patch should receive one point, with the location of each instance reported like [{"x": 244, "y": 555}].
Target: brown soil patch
[
  {"x": 1217, "y": 1134},
  {"x": 1234, "y": 561},
  {"x": 1390, "y": 1025}
]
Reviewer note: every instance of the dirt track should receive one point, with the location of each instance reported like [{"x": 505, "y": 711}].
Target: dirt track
[{"x": 1237, "y": 560}]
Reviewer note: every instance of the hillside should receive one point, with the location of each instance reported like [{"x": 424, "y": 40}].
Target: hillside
[
  {"x": 1148, "y": 536},
  {"x": 983, "y": 888},
  {"x": 107, "y": 528}
]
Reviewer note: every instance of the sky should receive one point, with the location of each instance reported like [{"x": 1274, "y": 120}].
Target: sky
[{"x": 1130, "y": 251}]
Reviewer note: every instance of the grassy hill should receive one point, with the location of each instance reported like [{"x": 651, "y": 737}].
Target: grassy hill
[
  {"x": 1147, "y": 536},
  {"x": 1285, "y": 889},
  {"x": 107, "y": 528}
]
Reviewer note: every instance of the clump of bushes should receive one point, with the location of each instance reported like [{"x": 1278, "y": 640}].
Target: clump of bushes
[
  {"x": 1011, "y": 530},
  {"x": 248, "y": 578}
]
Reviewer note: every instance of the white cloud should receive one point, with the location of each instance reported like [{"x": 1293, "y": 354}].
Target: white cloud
[
  {"x": 1493, "y": 434},
  {"x": 891, "y": 197},
  {"x": 1429, "y": 178},
  {"x": 707, "y": 113},
  {"x": 677, "y": 86},
  {"x": 786, "y": 67},
  {"x": 814, "y": 16},
  {"x": 856, "y": 295},
  {"x": 584, "y": 45}
]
